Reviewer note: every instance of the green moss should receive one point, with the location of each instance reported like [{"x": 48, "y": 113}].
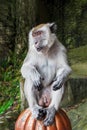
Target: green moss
[
  {"x": 78, "y": 60},
  {"x": 78, "y": 116}
]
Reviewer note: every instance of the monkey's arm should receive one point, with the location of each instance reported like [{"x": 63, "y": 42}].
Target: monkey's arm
[
  {"x": 63, "y": 70},
  {"x": 29, "y": 70},
  {"x": 61, "y": 77}
]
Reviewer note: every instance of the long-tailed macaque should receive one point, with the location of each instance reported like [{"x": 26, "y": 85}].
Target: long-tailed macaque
[{"x": 45, "y": 70}]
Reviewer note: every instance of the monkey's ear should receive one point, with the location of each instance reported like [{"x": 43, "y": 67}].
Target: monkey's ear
[{"x": 53, "y": 27}]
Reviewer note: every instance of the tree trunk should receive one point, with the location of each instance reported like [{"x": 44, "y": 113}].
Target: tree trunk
[
  {"x": 7, "y": 28},
  {"x": 25, "y": 19}
]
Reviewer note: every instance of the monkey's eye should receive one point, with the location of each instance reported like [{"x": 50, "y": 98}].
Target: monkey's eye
[{"x": 37, "y": 33}]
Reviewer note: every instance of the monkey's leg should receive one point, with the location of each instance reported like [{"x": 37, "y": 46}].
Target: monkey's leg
[
  {"x": 30, "y": 93},
  {"x": 56, "y": 97},
  {"x": 54, "y": 105}
]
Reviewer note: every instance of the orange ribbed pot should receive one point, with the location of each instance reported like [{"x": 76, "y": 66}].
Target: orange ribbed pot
[{"x": 25, "y": 121}]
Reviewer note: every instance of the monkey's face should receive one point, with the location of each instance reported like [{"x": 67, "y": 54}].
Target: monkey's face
[{"x": 41, "y": 36}]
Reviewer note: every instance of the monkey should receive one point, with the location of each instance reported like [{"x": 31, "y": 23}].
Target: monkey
[{"x": 45, "y": 70}]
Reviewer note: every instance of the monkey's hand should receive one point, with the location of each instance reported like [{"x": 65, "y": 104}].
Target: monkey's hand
[
  {"x": 38, "y": 112},
  {"x": 37, "y": 81},
  {"x": 57, "y": 83},
  {"x": 50, "y": 116}
]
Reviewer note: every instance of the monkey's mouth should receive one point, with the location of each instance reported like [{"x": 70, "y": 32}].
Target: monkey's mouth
[{"x": 39, "y": 48}]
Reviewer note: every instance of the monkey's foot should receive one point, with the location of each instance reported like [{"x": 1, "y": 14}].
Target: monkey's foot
[
  {"x": 50, "y": 116},
  {"x": 38, "y": 112}
]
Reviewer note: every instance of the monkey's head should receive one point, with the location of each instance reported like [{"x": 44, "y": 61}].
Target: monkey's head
[{"x": 43, "y": 36}]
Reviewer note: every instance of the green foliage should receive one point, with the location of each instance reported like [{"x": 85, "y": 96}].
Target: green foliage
[
  {"x": 78, "y": 55},
  {"x": 9, "y": 89},
  {"x": 75, "y": 27},
  {"x": 6, "y": 105},
  {"x": 7, "y": 28},
  {"x": 79, "y": 70},
  {"x": 9, "y": 85}
]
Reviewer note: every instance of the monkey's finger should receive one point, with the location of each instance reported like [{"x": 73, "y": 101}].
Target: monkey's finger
[
  {"x": 35, "y": 86},
  {"x": 37, "y": 83},
  {"x": 55, "y": 79},
  {"x": 54, "y": 83},
  {"x": 56, "y": 87},
  {"x": 46, "y": 122},
  {"x": 42, "y": 78},
  {"x": 39, "y": 88}
]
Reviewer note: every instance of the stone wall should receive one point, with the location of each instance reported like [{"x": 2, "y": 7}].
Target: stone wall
[{"x": 75, "y": 91}]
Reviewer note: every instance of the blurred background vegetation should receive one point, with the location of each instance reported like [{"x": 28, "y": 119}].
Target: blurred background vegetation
[{"x": 17, "y": 17}]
